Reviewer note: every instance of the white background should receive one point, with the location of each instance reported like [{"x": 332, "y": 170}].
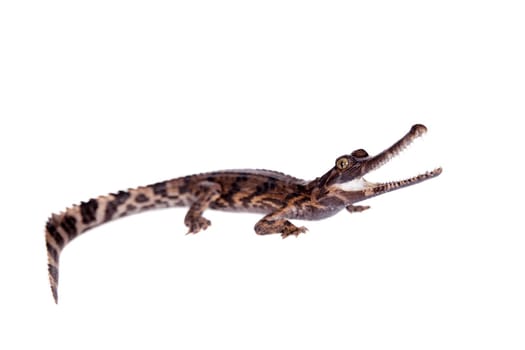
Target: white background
[{"x": 103, "y": 95}]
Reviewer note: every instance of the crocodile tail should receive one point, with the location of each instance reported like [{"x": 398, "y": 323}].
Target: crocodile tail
[
  {"x": 62, "y": 228},
  {"x": 54, "y": 244}
]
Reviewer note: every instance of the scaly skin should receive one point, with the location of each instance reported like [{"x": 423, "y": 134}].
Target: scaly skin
[{"x": 280, "y": 197}]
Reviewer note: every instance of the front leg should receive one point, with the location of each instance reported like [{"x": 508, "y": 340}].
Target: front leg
[
  {"x": 276, "y": 223},
  {"x": 205, "y": 193}
]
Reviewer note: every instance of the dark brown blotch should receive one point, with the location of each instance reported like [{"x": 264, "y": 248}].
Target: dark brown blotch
[
  {"x": 228, "y": 196},
  {"x": 130, "y": 207},
  {"x": 141, "y": 198},
  {"x": 88, "y": 211},
  {"x": 69, "y": 224},
  {"x": 53, "y": 272},
  {"x": 160, "y": 188},
  {"x": 53, "y": 232},
  {"x": 120, "y": 198},
  {"x": 185, "y": 187},
  {"x": 52, "y": 252}
]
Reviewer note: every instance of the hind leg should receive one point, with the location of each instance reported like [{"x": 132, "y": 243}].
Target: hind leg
[{"x": 206, "y": 193}]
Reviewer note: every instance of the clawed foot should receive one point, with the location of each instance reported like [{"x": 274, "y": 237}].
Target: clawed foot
[
  {"x": 296, "y": 231},
  {"x": 267, "y": 226},
  {"x": 197, "y": 224},
  {"x": 357, "y": 208}
]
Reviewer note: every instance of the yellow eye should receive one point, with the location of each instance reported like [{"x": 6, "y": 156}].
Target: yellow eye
[{"x": 342, "y": 163}]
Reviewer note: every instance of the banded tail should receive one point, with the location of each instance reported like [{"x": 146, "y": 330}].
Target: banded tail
[{"x": 64, "y": 227}]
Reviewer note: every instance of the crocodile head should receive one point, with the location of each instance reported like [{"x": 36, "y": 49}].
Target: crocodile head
[{"x": 347, "y": 176}]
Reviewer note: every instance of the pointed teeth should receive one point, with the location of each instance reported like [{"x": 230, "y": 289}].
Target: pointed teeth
[
  {"x": 415, "y": 179},
  {"x": 429, "y": 174}
]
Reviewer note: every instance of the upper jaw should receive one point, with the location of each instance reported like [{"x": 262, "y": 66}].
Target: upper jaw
[{"x": 382, "y": 158}]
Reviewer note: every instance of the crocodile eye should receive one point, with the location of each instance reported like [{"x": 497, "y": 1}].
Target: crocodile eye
[
  {"x": 360, "y": 153},
  {"x": 342, "y": 163}
]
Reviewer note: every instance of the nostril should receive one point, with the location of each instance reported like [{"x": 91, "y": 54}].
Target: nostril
[{"x": 418, "y": 129}]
